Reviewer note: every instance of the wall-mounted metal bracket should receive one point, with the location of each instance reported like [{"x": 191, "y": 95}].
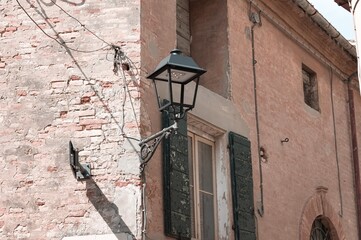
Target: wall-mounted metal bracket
[
  {"x": 150, "y": 144},
  {"x": 80, "y": 171}
]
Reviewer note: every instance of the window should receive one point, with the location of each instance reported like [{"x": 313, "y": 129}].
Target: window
[
  {"x": 189, "y": 180},
  {"x": 320, "y": 230},
  {"x": 310, "y": 88},
  {"x": 202, "y": 187}
]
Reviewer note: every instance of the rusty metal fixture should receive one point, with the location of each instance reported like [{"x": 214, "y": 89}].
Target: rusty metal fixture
[{"x": 80, "y": 171}]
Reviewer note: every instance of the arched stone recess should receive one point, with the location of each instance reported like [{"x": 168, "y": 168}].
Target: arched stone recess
[{"x": 318, "y": 206}]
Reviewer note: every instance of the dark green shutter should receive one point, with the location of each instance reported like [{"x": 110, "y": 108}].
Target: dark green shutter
[
  {"x": 242, "y": 187},
  {"x": 177, "y": 208}
]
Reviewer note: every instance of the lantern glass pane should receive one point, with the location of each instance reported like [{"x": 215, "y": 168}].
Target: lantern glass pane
[
  {"x": 177, "y": 93},
  {"x": 163, "y": 93},
  {"x": 189, "y": 93}
]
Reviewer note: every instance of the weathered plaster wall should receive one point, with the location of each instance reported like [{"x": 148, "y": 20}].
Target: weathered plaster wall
[
  {"x": 295, "y": 169},
  {"x": 49, "y": 95}
]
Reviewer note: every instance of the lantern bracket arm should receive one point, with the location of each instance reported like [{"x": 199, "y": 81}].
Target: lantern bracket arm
[{"x": 150, "y": 144}]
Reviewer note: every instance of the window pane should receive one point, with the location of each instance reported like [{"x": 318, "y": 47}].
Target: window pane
[
  {"x": 205, "y": 167},
  {"x": 207, "y": 216}
]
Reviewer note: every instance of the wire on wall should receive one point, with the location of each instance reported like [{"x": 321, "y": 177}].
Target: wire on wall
[
  {"x": 60, "y": 42},
  {"x": 119, "y": 56},
  {"x": 336, "y": 149},
  {"x": 81, "y": 24},
  {"x": 254, "y": 62}
]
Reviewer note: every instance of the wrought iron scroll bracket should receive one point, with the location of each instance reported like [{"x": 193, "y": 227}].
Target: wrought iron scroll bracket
[
  {"x": 150, "y": 144},
  {"x": 80, "y": 171}
]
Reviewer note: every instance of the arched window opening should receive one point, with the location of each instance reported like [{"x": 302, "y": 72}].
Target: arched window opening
[{"x": 321, "y": 230}]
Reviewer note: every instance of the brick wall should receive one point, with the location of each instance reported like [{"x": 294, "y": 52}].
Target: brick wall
[
  {"x": 49, "y": 95},
  {"x": 295, "y": 169}
]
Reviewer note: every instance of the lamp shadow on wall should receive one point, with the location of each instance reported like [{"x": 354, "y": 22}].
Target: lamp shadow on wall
[{"x": 108, "y": 211}]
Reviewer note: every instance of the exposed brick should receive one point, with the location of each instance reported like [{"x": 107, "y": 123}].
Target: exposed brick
[
  {"x": 93, "y": 126},
  {"x": 11, "y": 29},
  {"x": 93, "y": 10},
  {"x": 2, "y": 211},
  {"x": 91, "y": 121},
  {"x": 21, "y": 92},
  {"x": 74, "y": 77},
  {"x": 52, "y": 169},
  {"x": 120, "y": 183},
  {"x": 79, "y": 213},
  {"x": 54, "y": 20},
  {"x": 107, "y": 84},
  {"x": 63, "y": 114},
  {"x": 84, "y": 100},
  {"x": 40, "y": 202}
]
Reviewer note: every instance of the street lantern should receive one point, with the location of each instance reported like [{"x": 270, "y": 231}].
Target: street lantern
[
  {"x": 173, "y": 79},
  {"x": 176, "y": 80}
]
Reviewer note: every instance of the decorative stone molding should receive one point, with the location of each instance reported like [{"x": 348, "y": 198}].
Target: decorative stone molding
[{"x": 318, "y": 205}]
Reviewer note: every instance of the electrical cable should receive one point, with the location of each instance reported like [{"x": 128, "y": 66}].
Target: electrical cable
[
  {"x": 261, "y": 209},
  {"x": 81, "y": 24},
  {"x": 335, "y": 141},
  {"x": 118, "y": 58},
  {"x": 121, "y": 59},
  {"x": 144, "y": 209},
  {"x": 61, "y": 43}
]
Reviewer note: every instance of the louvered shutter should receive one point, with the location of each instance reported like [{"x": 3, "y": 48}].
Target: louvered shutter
[
  {"x": 242, "y": 187},
  {"x": 177, "y": 208}
]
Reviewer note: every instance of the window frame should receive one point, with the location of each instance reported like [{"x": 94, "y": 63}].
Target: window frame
[{"x": 199, "y": 136}]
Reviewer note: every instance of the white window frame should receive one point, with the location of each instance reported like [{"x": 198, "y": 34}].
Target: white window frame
[{"x": 199, "y": 136}]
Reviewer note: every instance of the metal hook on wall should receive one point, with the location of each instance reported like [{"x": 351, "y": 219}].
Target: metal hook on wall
[{"x": 80, "y": 171}]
